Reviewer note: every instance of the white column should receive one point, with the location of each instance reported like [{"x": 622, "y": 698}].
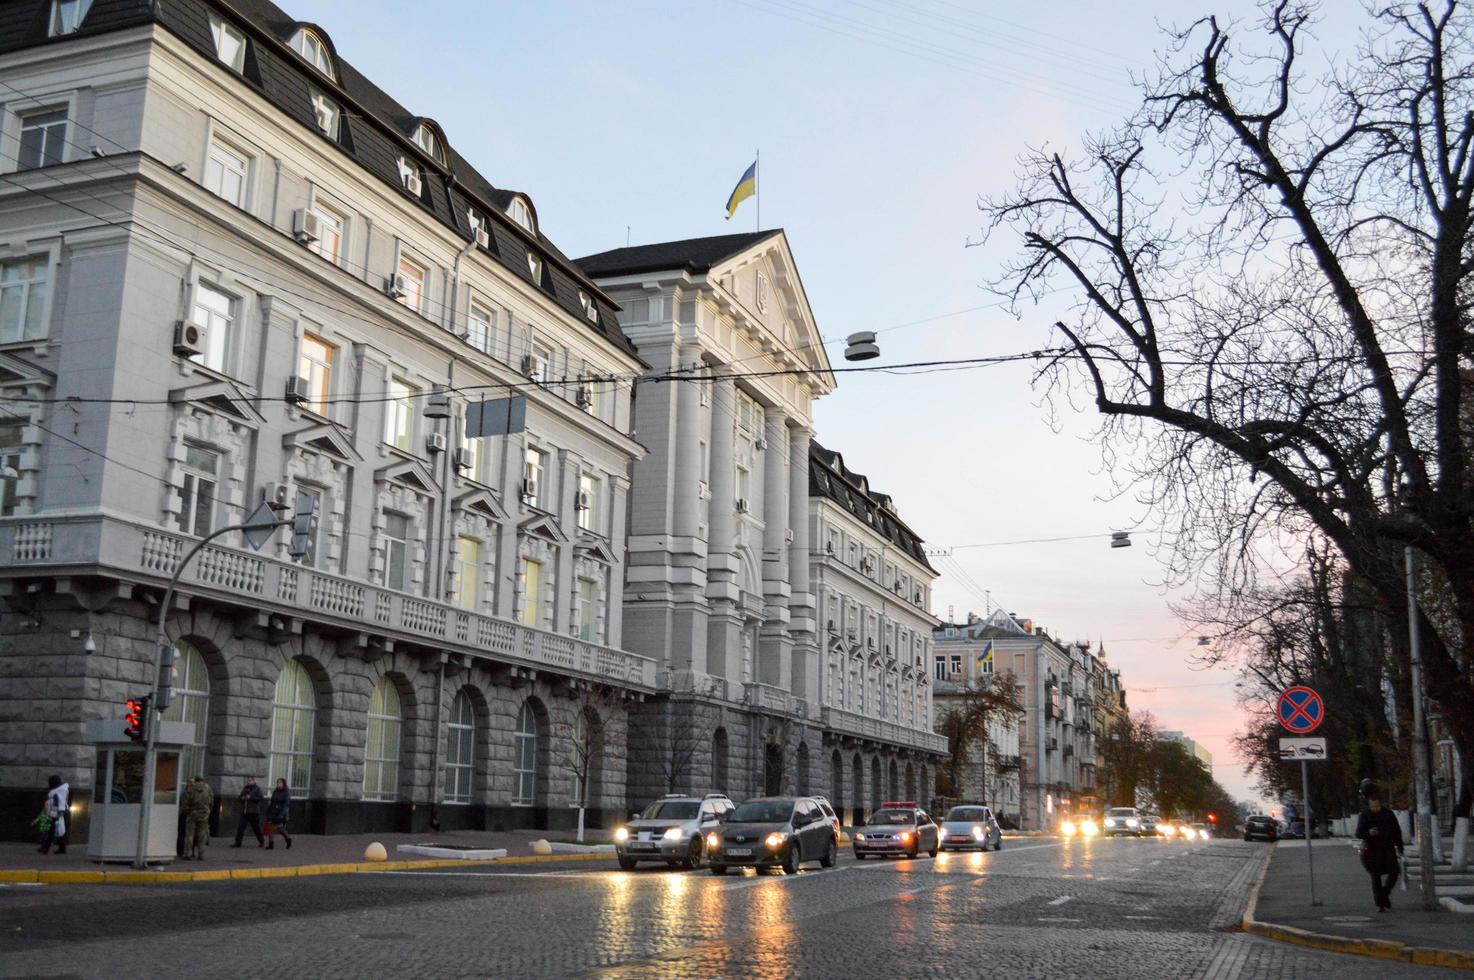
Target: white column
[{"x": 775, "y": 664}]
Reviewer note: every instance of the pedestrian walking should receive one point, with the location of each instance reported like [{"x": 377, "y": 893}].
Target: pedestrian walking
[
  {"x": 250, "y": 802},
  {"x": 1381, "y": 838},
  {"x": 199, "y": 800},
  {"x": 53, "y": 819},
  {"x": 277, "y": 811}
]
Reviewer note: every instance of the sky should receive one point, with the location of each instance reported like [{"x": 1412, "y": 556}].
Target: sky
[{"x": 880, "y": 123}]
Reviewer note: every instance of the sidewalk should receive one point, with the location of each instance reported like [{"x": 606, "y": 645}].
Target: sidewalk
[
  {"x": 1346, "y": 920},
  {"x": 309, "y": 855}
]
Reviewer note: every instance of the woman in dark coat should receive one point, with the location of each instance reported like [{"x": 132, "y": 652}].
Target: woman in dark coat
[
  {"x": 1381, "y": 836},
  {"x": 277, "y": 811}
]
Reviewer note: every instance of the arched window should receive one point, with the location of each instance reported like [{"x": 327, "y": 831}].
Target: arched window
[
  {"x": 460, "y": 739},
  {"x": 910, "y": 781},
  {"x": 836, "y": 779},
  {"x": 894, "y": 783},
  {"x": 524, "y": 766},
  {"x": 192, "y": 704},
  {"x": 311, "y": 46},
  {"x": 426, "y": 140},
  {"x": 857, "y": 791},
  {"x": 719, "y": 761},
  {"x": 801, "y": 769},
  {"x": 519, "y": 212},
  {"x": 875, "y": 784},
  {"x": 381, "y": 755},
  {"x": 293, "y": 722}
]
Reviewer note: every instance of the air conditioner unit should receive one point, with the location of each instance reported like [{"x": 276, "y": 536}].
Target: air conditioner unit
[
  {"x": 741, "y": 506},
  {"x": 306, "y": 226},
  {"x": 483, "y": 237},
  {"x": 585, "y": 501},
  {"x": 413, "y": 183},
  {"x": 435, "y": 442},
  {"x": 296, "y": 390},
  {"x": 189, "y": 338},
  {"x": 530, "y": 367},
  {"x": 396, "y": 286},
  {"x": 277, "y": 496},
  {"x": 584, "y": 397},
  {"x": 529, "y": 491},
  {"x": 462, "y": 459}
]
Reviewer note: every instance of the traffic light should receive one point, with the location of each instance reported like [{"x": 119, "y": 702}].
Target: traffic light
[
  {"x": 304, "y": 522},
  {"x": 1212, "y": 818},
  {"x": 137, "y": 718},
  {"x": 168, "y": 673}
]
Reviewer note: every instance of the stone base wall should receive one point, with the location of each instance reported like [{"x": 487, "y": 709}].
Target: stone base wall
[{"x": 50, "y": 689}]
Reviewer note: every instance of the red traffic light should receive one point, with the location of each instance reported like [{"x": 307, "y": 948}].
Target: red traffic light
[
  {"x": 1212, "y": 818},
  {"x": 136, "y": 719}
]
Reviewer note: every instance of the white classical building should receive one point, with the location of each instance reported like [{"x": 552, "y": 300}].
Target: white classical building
[
  {"x": 720, "y": 586},
  {"x": 236, "y": 270}
]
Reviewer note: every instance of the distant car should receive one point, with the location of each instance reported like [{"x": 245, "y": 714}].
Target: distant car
[
  {"x": 673, "y": 829},
  {"x": 773, "y": 832},
  {"x": 1296, "y": 831},
  {"x": 968, "y": 826},
  {"x": 900, "y": 829},
  {"x": 1121, "y": 820},
  {"x": 1261, "y": 827},
  {"x": 1198, "y": 831},
  {"x": 1149, "y": 823}
]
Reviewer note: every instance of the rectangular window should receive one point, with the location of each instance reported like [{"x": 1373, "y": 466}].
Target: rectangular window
[
  {"x": 533, "y": 470},
  {"x": 603, "y": 407},
  {"x": 227, "y": 171},
  {"x": 541, "y": 368},
  {"x": 314, "y": 556},
  {"x": 480, "y": 325},
  {"x": 230, "y": 44},
  {"x": 396, "y": 551},
  {"x": 413, "y": 275},
  {"x": 399, "y": 414},
  {"x": 215, "y": 312},
  {"x": 467, "y": 560},
  {"x": 10, "y": 452},
  {"x": 23, "y": 291},
  {"x": 744, "y": 484},
  {"x": 315, "y": 366},
  {"x": 590, "y": 503},
  {"x": 531, "y": 575},
  {"x": 330, "y": 238},
  {"x": 197, "y": 493},
  {"x": 43, "y": 137},
  {"x": 587, "y": 621}
]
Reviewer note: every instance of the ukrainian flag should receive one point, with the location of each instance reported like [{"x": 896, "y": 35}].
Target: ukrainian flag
[
  {"x": 746, "y": 187},
  {"x": 987, "y": 655}
]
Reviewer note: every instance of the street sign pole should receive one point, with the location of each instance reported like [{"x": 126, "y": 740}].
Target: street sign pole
[
  {"x": 1309, "y": 827},
  {"x": 1301, "y": 711}
]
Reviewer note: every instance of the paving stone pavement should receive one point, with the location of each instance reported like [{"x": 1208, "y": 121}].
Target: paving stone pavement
[{"x": 1100, "y": 909}]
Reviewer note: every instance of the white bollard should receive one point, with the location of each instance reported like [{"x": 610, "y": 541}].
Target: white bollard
[
  {"x": 542, "y": 847},
  {"x": 1461, "y": 845},
  {"x": 375, "y": 852}
]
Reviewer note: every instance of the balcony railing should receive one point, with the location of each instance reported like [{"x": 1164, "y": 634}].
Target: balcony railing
[
  {"x": 765, "y": 697},
  {"x": 135, "y": 552},
  {"x": 849, "y": 723}
]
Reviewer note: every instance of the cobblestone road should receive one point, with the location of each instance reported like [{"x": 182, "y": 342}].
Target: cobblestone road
[{"x": 1099, "y": 909}]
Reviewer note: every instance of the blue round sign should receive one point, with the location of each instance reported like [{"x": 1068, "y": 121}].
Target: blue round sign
[{"x": 1301, "y": 710}]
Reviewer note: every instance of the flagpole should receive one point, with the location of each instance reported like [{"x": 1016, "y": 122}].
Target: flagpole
[{"x": 758, "y": 188}]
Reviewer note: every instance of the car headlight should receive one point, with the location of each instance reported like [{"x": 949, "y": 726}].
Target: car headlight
[
  {"x": 1067, "y": 828},
  {"x": 1205, "y": 835},
  {"x": 621, "y": 834},
  {"x": 1088, "y": 828},
  {"x": 1109, "y": 822},
  {"x": 713, "y": 842},
  {"x": 774, "y": 841},
  {"x": 1133, "y": 823},
  {"x": 675, "y": 833},
  {"x": 978, "y": 833},
  {"x": 859, "y": 837}
]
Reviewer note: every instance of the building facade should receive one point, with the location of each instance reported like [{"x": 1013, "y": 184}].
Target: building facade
[
  {"x": 237, "y": 271},
  {"x": 991, "y": 774},
  {"x": 721, "y": 585}
]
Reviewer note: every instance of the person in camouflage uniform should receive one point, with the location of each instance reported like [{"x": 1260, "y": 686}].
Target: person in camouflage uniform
[{"x": 199, "y": 800}]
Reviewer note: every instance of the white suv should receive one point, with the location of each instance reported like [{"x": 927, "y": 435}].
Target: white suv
[
  {"x": 673, "y": 829},
  {"x": 1121, "y": 820}
]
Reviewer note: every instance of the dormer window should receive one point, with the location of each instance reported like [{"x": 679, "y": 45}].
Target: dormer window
[
  {"x": 590, "y": 308},
  {"x": 327, "y": 113},
  {"x": 314, "y": 51},
  {"x": 522, "y": 214},
  {"x": 409, "y": 177},
  {"x": 230, "y": 44},
  {"x": 535, "y": 267},
  {"x": 426, "y": 140},
  {"x": 67, "y": 15}
]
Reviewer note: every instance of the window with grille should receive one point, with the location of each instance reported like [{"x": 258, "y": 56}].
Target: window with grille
[
  {"x": 381, "y": 754},
  {"x": 524, "y": 769},
  {"x": 191, "y": 704},
  {"x": 293, "y": 724},
  {"x": 460, "y": 743}
]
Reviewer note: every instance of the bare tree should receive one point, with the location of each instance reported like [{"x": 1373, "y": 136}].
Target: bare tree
[
  {"x": 684, "y": 740},
  {"x": 590, "y": 741},
  {"x": 991, "y": 701},
  {"x": 1271, "y": 282}
]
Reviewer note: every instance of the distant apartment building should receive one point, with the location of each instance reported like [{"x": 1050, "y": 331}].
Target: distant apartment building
[
  {"x": 1194, "y": 749},
  {"x": 991, "y": 772}
]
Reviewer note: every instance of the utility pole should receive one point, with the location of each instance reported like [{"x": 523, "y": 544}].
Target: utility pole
[{"x": 1422, "y": 788}]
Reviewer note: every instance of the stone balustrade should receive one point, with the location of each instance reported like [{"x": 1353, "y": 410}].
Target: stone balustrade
[{"x": 859, "y": 726}]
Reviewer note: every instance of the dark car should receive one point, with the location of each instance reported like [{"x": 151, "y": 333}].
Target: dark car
[
  {"x": 773, "y": 832},
  {"x": 1261, "y": 827}
]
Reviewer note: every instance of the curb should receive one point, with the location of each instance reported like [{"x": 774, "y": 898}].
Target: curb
[
  {"x": 40, "y": 877},
  {"x": 1383, "y": 949}
]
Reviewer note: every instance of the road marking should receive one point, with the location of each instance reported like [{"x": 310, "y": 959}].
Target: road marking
[
  {"x": 496, "y": 874},
  {"x": 1063, "y": 899},
  {"x": 1142, "y": 918},
  {"x": 1055, "y": 919}
]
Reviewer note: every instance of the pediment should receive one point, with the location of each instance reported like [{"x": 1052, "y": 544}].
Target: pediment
[
  {"x": 224, "y": 397},
  {"x": 544, "y": 526},
  {"x": 409, "y": 473},
  {"x": 482, "y": 502},
  {"x": 788, "y": 318},
  {"x": 327, "y": 439},
  {"x": 16, "y": 373},
  {"x": 592, "y": 546}
]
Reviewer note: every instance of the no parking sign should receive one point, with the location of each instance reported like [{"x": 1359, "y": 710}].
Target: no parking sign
[{"x": 1301, "y": 710}]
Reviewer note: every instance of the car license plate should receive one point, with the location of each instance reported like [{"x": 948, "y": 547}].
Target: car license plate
[
  {"x": 957, "y": 840},
  {"x": 739, "y": 852},
  {"x": 638, "y": 846}
]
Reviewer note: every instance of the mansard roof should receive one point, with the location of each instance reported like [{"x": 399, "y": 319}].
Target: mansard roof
[
  {"x": 375, "y": 133},
  {"x": 692, "y": 254},
  {"x": 831, "y": 479}
]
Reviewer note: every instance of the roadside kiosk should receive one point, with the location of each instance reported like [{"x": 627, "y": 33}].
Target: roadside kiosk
[{"x": 117, "y": 792}]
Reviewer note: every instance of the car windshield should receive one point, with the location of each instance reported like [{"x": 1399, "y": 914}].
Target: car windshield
[
  {"x": 762, "y": 811},
  {"x": 893, "y": 817},
  {"x": 967, "y": 814},
  {"x": 1121, "y": 811},
  {"x": 667, "y": 810}
]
